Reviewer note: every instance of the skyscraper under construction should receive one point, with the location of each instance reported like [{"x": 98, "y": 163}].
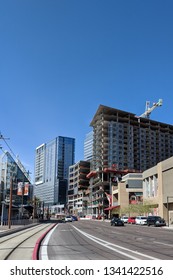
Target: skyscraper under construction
[{"x": 122, "y": 141}]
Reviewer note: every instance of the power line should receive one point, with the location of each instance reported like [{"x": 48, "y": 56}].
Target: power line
[
  {"x": 3, "y": 138},
  {"x": 16, "y": 158}
]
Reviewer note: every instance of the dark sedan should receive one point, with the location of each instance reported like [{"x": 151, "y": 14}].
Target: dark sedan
[
  {"x": 74, "y": 218},
  {"x": 156, "y": 221},
  {"x": 117, "y": 222}
]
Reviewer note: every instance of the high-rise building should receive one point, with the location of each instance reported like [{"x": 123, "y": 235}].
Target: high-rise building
[
  {"x": 88, "y": 146},
  {"x": 123, "y": 141},
  {"x": 52, "y": 161},
  {"x": 78, "y": 188},
  {"x": 39, "y": 164}
]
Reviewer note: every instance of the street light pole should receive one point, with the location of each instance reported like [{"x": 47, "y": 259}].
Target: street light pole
[
  {"x": 23, "y": 185},
  {"x": 2, "y": 213},
  {"x": 10, "y": 204},
  {"x": 43, "y": 210}
]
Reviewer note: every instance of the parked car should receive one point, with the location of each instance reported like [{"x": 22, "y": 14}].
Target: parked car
[
  {"x": 68, "y": 219},
  {"x": 74, "y": 218},
  {"x": 156, "y": 221},
  {"x": 124, "y": 219},
  {"x": 99, "y": 217},
  {"x": 131, "y": 220},
  {"x": 141, "y": 220},
  {"x": 117, "y": 222}
]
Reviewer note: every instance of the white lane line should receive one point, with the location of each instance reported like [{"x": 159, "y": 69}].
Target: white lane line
[
  {"x": 66, "y": 230},
  {"x": 163, "y": 243},
  {"x": 110, "y": 245},
  {"x": 43, "y": 251},
  {"x": 116, "y": 232}
]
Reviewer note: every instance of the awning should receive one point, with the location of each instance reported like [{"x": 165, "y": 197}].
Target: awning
[{"x": 112, "y": 207}]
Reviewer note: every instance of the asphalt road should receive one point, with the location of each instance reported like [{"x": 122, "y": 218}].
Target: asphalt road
[{"x": 97, "y": 240}]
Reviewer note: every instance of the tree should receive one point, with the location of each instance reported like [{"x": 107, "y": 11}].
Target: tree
[{"x": 137, "y": 209}]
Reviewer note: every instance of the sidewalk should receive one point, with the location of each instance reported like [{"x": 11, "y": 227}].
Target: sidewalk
[
  {"x": 170, "y": 227},
  {"x": 5, "y": 230},
  {"x": 17, "y": 224}
]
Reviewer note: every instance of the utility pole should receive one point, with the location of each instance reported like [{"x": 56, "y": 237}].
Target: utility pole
[
  {"x": 47, "y": 212},
  {"x": 23, "y": 186},
  {"x": 43, "y": 210},
  {"x": 10, "y": 203},
  {"x": 34, "y": 207}
]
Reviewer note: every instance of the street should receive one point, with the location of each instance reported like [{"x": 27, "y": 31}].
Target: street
[{"x": 97, "y": 240}]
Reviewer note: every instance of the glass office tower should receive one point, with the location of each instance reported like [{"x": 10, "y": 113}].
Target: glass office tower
[
  {"x": 52, "y": 161},
  {"x": 88, "y": 146}
]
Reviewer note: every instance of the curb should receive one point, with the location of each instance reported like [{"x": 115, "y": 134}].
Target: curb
[{"x": 38, "y": 243}]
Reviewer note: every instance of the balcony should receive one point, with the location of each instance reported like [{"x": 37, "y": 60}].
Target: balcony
[
  {"x": 79, "y": 203},
  {"x": 115, "y": 189},
  {"x": 115, "y": 203}
]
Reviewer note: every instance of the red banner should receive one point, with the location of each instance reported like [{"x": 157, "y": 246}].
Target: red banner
[
  {"x": 26, "y": 189},
  {"x": 23, "y": 189},
  {"x": 20, "y": 188}
]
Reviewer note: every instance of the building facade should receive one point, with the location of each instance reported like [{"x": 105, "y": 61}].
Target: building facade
[
  {"x": 13, "y": 173},
  {"x": 158, "y": 189},
  {"x": 127, "y": 192},
  {"x": 88, "y": 146},
  {"x": 123, "y": 141},
  {"x": 52, "y": 161},
  {"x": 40, "y": 164},
  {"x": 77, "y": 188}
]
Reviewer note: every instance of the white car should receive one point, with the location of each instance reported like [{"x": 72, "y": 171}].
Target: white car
[
  {"x": 68, "y": 219},
  {"x": 124, "y": 219},
  {"x": 141, "y": 220}
]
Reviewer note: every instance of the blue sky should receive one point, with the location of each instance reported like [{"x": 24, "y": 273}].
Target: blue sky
[{"x": 61, "y": 59}]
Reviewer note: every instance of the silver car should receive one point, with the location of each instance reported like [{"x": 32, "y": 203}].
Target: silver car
[
  {"x": 124, "y": 219},
  {"x": 141, "y": 220},
  {"x": 68, "y": 219}
]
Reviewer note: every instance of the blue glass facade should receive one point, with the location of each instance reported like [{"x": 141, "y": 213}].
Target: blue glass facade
[
  {"x": 88, "y": 146},
  {"x": 10, "y": 169},
  {"x": 59, "y": 155}
]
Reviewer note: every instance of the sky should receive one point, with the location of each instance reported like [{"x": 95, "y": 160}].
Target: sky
[{"x": 61, "y": 59}]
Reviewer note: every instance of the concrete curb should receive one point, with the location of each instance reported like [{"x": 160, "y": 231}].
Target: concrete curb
[{"x": 38, "y": 243}]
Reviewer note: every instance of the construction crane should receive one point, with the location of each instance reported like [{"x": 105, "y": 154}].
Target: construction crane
[{"x": 148, "y": 110}]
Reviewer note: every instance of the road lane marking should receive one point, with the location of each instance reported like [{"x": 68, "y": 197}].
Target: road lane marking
[
  {"x": 109, "y": 246},
  {"x": 43, "y": 251},
  {"x": 66, "y": 230},
  {"x": 163, "y": 243}
]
